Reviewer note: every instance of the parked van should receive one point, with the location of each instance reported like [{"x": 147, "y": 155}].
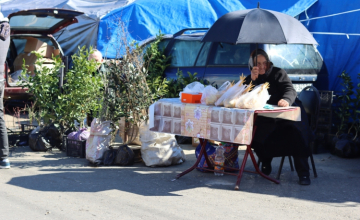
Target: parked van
[{"x": 220, "y": 62}]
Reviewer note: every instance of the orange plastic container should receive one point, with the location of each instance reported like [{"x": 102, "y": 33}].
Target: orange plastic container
[{"x": 191, "y": 98}]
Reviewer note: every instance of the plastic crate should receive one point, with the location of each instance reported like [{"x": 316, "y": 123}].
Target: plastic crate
[
  {"x": 326, "y": 98},
  {"x": 74, "y": 148}
]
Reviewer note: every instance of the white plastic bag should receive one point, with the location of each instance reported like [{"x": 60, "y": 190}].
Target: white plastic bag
[
  {"x": 221, "y": 91},
  {"x": 229, "y": 98},
  {"x": 209, "y": 95},
  {"x": 98, "y": 141},
  {"x": 160, "y": 149},
  {"x": 15, "y": 77},
  {"x": 257, "y": 98},
  {"x": 194, "y": 88},
  {"x": 230, "y": 92}
]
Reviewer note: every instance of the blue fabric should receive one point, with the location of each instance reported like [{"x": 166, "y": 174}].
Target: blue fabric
[
  {"x": 145, "y": 18},
  {"x": 230, "y": 154},
  {"x": 268, "y": 106},
  {"x": 339, "y": 52}
]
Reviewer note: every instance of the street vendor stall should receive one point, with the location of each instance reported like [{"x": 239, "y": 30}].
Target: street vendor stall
[{"x": 208, "y": 122}]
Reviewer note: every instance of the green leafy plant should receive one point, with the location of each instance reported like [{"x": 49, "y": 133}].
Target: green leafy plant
[
  {"x": 177, "y": 85},
  {"x": 82, "y": 90},
  {"x": 127, "y": 94},
  {"x": 345, "y": 109},
  {"x": 44, "y": 85},
  {"x": 156, "y": 63},
  {"x": 355, "y": 111},
  {"x": 80, "y": 94}
]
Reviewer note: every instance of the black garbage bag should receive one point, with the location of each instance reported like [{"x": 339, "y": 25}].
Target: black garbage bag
[
  {"x": 37, "y": 141},
  {"x": 109, "y": 156},
  {"x": 125, "y": 156},
  {"x": 53, "y": 135},
  {"x": 346, "y": 147},
  {"x": 45, "y": 138}
]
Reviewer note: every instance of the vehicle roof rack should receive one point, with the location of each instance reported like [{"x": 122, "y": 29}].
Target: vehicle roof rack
[{"x": 188, "y": 29}]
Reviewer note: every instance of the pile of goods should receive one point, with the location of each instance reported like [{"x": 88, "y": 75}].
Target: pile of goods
[{"x": 237, "y": 95}]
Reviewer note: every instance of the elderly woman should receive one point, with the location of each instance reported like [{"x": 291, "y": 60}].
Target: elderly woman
[{"x": 279, "y": 137}]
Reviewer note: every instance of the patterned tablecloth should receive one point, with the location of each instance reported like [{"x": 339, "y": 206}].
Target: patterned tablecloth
[{"x": 209, "y": 122}]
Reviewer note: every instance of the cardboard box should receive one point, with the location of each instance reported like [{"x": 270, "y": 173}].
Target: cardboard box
[
  {"x": 46, "y": 51},
  {"x": 33, "y": 44},
  {"x": 30, "y": 60},
  {"x": 56, "y": 52}
]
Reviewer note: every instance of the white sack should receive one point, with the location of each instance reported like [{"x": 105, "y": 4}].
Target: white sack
[
  {"x": 99, "y": 140},
  {"x": 160, "y": 149}
]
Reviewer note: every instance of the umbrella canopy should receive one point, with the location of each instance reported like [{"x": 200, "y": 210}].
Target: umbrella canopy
[{"x": 258, "y": 26}]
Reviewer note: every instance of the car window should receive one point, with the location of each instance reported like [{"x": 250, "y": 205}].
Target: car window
[
  {"x": 19, "y": 43},
  {"x": 33, "y": 22},
  {"x": 163, "y": 44},
  {"x": 184, "y": 53},
  {"x": 295, "y": 56},
  {"x": 229, "y": 54},
  {"x": 201, "y": 61}
]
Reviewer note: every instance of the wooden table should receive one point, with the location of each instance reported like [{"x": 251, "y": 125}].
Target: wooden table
[{"x": 214, "y": 123}]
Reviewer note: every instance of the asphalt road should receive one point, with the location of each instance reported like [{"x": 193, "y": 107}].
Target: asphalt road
[{"x": 54, "y": 186}]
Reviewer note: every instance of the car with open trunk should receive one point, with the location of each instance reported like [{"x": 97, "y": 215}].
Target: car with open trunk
[{"x": 32, "y": 30}]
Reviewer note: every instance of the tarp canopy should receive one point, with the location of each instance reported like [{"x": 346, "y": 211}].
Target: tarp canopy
[
  {"x": 336, "y": 27},
  {"x": 145, "y": 18},
  {"x": 84, "y": 32}
]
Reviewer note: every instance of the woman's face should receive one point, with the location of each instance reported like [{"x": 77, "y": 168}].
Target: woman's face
[{"x": 262, "y": 64}]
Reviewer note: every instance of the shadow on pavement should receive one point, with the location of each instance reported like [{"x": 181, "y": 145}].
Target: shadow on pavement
[{"x": 337, "y": 182}]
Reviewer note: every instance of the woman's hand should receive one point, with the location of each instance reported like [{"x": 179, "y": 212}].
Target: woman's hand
[
  {"x": 282, "y": 103},
  {"x": 254, "y": 73}
]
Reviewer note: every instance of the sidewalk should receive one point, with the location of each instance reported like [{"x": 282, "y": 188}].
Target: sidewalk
[{"x": 53, "y": 186}]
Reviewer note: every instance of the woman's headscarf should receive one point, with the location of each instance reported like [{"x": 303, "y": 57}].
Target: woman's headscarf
[{"x": 260, "y": 52}]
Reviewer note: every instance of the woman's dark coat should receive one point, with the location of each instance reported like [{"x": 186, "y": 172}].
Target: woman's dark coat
[{"x": 279, "y": 137}]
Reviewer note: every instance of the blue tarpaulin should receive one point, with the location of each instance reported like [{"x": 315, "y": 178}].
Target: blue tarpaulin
[
  {"x": 145, "y": 18},
  {"x": 336, "y": 27}
]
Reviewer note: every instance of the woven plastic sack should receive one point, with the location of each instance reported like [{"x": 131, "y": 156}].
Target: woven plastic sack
[
  {"x": 98, "y": 141},
  {"x": 160, "y": 149}
]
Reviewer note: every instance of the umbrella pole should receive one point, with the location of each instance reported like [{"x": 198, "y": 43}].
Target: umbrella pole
[{"x": 255, "y": 64}]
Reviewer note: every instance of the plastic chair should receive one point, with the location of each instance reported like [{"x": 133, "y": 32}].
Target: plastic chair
[{"x": 311, "y": 101}]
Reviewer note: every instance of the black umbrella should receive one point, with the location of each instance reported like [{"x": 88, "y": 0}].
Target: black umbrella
[{"x": 258, "y": 26}]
